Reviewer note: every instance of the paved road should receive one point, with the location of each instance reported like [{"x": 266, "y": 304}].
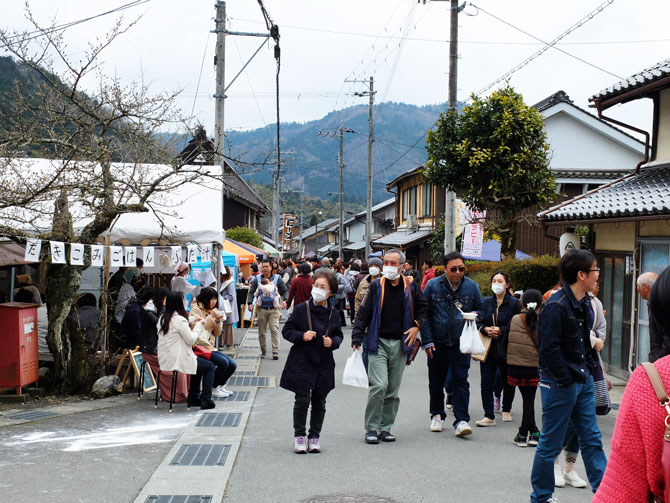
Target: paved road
[
  {"x": 420, "y": 466},
  {"x": 120, "y": 451}
]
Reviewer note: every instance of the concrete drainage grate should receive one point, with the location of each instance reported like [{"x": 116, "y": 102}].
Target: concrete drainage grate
[
  {"x": 219, "y": 420},
  {"x": 348, "y": 498},
  {"x": 249, "y": 381},
  {"x": 201, "y": 455},
  {"x": 248, "y": 357},
  {"x": 245, "y": 373},
  {"x": 32, "y": 414},
  {"x": 237, "y": 396},
  {"x": 179, "y": 499}
]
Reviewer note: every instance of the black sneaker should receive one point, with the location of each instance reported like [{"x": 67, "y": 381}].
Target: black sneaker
[
  {"x": 385, "y": 436},
  {"x": 263, "y": 355},
  {"x": 192, "y": 402},
  {"x": 534, "y": 439},
  {"x": 521, "y": 440},
  {"x": 371, "y": 437},
  {"x": 207, "y": 404},
  {"x": 275, "y": 356}
]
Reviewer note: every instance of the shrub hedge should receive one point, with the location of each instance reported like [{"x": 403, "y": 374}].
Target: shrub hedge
[{"x": 540, "y": 273}]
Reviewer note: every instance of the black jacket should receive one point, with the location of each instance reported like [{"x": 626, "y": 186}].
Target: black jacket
[
  {"x": 488, "y": 317},
  {"x": 309, "y": 364},
  {"x": 149, "y": 337},
  {"x": 563, "y": 338}
]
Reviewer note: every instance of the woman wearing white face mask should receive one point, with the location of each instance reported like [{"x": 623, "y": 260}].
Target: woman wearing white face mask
[
  {"x": 314, "y": 329},
  {"x": 375, "y": 270},
  {"x": 498, "y": 310}
]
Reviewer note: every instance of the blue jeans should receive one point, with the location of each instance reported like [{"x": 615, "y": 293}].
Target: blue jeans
[
  {"x": 560, "y": 404},
  {"x": 449, "y": 359},
  {"x": 225, "y": 366}
]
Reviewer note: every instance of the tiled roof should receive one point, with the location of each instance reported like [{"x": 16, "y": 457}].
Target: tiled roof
[
  {"x": 646, "y": 193},
  {"x": 240, "y": 189},
  {"x": 646, "y": 76},
  {"x": 591, "y": 174}
]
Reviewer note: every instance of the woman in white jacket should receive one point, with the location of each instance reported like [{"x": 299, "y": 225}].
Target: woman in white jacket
[{"x": 175, "y": 351}]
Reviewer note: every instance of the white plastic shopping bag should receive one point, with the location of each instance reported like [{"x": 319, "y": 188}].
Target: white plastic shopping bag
[
  {"x": 470, "y": 343},
  {"x": 354, "y": 371}
]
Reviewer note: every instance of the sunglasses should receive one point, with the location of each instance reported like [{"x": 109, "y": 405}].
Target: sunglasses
[{"x": 459, "y": 269}]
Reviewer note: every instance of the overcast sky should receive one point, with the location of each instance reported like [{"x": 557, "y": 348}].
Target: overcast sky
[{"x": 325, "y": 42}]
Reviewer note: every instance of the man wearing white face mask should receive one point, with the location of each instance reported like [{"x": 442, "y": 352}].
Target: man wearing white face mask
[{"x": 392, "y": 312}]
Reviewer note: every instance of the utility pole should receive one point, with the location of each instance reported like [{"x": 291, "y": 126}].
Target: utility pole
[
  {"x": 371, "y": 138},
  {"x": 341, "y": 228},
  {"x": 450, "y": 197},
  {"x": 277, "y": 184},
  {"x": 220, "y": 95},
  {"x": 368, "y": 218}
]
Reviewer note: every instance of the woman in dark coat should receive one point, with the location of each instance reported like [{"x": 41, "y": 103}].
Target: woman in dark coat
[
  {"x": 314, "y": 329},
  {"x": 493, "y": 320}
]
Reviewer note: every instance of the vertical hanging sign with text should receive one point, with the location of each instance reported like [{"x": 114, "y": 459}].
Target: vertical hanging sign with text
[
  {"x": 473, "y": 235},
  {"x": 287, "y": 236}
]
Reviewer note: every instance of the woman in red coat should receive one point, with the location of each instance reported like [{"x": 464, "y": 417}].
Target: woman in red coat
[
  {"x": 301, "y": 286},
  {"x": 634, "y": 468}
]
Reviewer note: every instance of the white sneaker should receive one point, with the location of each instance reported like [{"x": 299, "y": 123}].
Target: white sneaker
[
  {"x": 220, "y": 393},
  {"x": 559, "y": 481},
  {"x": 463, "y": 429},
  {"x": 436, "y": 423},
  {"x": 573, "y": 479},
  {"x": 226, "y": 390}
]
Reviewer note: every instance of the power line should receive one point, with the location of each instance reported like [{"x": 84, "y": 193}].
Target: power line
[
  {"x": 30, "y": 35},
  {"x": 547, "y": 45}
]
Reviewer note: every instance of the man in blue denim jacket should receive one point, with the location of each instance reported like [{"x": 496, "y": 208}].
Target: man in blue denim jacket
[
  {"x": 441, "y": 337},
  {"x": 566, "y": 381}
]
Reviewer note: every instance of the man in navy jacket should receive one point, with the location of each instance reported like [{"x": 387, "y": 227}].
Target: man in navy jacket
[
  {"x": 392, "y": 312},
  {"x": 447, "y": 296},
  {"x": 566, "y": 381}
]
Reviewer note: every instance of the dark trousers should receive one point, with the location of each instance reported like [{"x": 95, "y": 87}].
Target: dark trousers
[
  {"x": 302, "y": 402},
  {"x": 341, "y": 305},
  {"x": 205, "y": 373},
  {"x": 445, "y": 359},
  {"x": 571, "y": 441},
  {"x": 528, "y": 418},
  {"x": 352, "y": 308},
  {"x": 225, "y": 366},
  {"x": 488, "y": 373}
]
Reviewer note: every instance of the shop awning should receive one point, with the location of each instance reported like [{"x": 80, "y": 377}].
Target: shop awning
[
  {"x": 244, "y": 256},
  {"x": 258, "y": 253},
  {"x": 270, "y": 249},
  {"x": 11, "y": 253},
  {"x": 355, "y": 246},
  {"x": 403, "y": 238}
]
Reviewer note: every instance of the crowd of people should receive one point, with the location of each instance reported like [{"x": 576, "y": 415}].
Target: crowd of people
[{"x": 551, "y": 342}]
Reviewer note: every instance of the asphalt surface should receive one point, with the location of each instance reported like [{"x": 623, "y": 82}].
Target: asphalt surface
[
  {"x": 109, "y": 454},
  {"x": 420, "y": 466}
]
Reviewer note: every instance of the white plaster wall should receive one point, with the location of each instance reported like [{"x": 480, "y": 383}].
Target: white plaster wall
[{"x": 574, "y": 145}]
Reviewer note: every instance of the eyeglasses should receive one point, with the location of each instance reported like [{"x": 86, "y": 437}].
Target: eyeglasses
[
  {"x": 459, "y": 269},
  {"x": 597, "y": 269}
]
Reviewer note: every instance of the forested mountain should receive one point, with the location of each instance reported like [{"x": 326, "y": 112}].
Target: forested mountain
[{"x": 311, "y": 159}]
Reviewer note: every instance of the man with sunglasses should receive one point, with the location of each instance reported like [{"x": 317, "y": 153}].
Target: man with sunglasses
[
  {"x": 448, "y": 296},
  {"x": 566, "y": 382},
  {"x": 391, "y": 312}
]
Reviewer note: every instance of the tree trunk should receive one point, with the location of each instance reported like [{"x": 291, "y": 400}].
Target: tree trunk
[
  {"x": 508, "y": 241},
  {"x": 67, "y": 346}
]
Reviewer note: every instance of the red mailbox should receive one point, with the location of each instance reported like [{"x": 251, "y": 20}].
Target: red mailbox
[{"x": 18, "y": 345}]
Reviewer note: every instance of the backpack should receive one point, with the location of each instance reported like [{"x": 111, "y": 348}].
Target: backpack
[
  {"x": 349, "y": 282},
  {"x": 269, "y": 301}
]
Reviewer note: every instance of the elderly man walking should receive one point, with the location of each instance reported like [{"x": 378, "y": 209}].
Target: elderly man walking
[
  {"x": 392, "y": 312},
  {"x": 657, "y": 334}
]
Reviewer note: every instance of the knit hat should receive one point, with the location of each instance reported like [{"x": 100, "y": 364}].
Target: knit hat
[{"x": 375, "y": 261}]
